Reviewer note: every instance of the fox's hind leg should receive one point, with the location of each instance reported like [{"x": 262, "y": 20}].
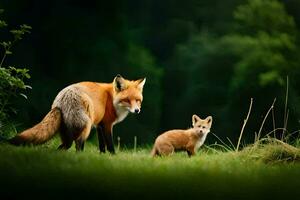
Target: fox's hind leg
[
  {"x": 66, "y": 138},
  {"x": 83, "y": 136},
  {"x": 165, "y": 149},
  {"x": 79, "y": 145}
]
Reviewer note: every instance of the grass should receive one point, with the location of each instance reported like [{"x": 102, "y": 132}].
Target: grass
[{"x": 257, "y": 172}]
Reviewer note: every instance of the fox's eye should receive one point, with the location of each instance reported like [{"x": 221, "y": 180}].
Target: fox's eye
[
  {"x": 203, "y": 126},
  {"x": 126, "y": 100}
]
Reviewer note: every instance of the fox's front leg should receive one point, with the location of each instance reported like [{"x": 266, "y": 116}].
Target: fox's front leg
[
  {"x": 101, "y": 137},
  {"x": 109, "y": 138},
  {"x": 190, "y": 151}
]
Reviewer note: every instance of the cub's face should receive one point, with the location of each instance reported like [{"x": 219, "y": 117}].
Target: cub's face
[
  {"x": 128, "y": 94},
  {"x": 202, "y": 125}
]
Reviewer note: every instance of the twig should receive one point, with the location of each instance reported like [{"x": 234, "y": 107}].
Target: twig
[
  {"x": 6, "y": 50},
  {"x": 298, "y": 131},
  {"x": 273, "y": 131},
  {"x": 243, "y": 127},
  {"x": 255, "y": 137},
  {"x": 3, "y": 58},
  {"x": 263, "y": 122},
  {"x": 285, "y": 105}
]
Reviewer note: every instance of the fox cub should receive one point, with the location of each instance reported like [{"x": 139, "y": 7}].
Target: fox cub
[{"x": 187, "y": 140}]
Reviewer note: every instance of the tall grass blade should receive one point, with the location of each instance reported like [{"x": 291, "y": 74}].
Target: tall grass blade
[
  {"x": 273, "y": 120},
  {"x": 244, "y": 124},
  {"x": 225, "y": 145},
  {"x": 119, "y": 143},
  {"x": 135, "y": 143}
]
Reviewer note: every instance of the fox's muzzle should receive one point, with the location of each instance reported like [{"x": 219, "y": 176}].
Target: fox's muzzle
[
  {"x": 135, "y": 107},
  {"x": 135, "y": 110}
]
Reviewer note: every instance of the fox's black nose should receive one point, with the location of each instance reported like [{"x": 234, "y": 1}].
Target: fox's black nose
[{"x": 137, "y": 110}]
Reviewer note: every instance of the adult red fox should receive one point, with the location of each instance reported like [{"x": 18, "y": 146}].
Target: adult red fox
[
  {"x": 79, "y": 106},
  {"x": 187, "y": 140}
]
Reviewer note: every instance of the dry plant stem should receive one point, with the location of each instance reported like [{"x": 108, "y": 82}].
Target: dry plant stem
[
  {"x": 274, "y": 125},
  {"x": 298, "y": 131},
  {"x": 6, "y": 50},
  {"x": 255, "y": 137},
  {"x": 263, "y": 122},
  {"x": 274, "y": 140},
  {"x": 285, "y": 124},
  {"x": 243, "y": 127},
  {"x": 273, "y": 131},
  {"x": 285, "y": 106}
]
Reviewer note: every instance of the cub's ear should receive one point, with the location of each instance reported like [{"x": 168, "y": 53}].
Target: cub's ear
[
  {"x": 119, "y": 83},
  {"x": 195, "y": 119},
  {"x": 209, "y": 119},
  {"x": 140, "y": 83}
]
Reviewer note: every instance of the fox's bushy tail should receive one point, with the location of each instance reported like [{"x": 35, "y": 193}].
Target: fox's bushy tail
[{"x": 41, "y": 132}]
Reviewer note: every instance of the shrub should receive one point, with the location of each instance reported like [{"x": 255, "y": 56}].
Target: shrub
[{"x": 11, "y": 78}]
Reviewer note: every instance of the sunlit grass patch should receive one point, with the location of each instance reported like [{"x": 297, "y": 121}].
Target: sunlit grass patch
[
  {"x": 271, "y": 150},
  {"x": 43, "y": 171}
]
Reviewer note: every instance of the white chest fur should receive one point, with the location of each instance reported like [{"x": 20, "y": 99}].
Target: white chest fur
[
  {"x": 200, "y": 142},
  {"x": 121, "y": 114}
]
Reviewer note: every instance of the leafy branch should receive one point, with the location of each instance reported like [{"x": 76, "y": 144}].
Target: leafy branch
[
  {"x": 11, "y": 78},
  {"x": 17, "y": 34}
]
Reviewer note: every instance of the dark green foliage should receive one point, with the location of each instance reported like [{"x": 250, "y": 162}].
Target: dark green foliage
[
  {"x": 11, "y": 78},
  {"x": 266, "y": 52},
  {"x": 11, "y": 85},
  {"x": 202, "y": 57},
  {"x": 219, "y": 74}
]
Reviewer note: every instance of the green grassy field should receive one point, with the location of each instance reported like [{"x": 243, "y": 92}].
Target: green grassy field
[{"x": 265, "y": 172}]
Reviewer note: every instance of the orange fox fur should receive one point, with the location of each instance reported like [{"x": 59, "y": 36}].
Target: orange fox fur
[
  {"x": 79, "y": 106},
  {"x": 186, "y": 140}
]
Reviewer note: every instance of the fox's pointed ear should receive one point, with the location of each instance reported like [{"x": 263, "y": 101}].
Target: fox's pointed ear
[
  {"x": 141, "y": 82},
  {"x": 195, "y": 118},
  {"x": 209, "y": 119},
  {"x": 119, "y": 83}
]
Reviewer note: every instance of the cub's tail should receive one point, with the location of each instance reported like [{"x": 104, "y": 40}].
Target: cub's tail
[
  {"x": 154, "y": 152},
  {"x": 41, "y": 132}
]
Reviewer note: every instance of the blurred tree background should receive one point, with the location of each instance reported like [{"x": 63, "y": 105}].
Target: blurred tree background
[{"x": 207, "y": 57}]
